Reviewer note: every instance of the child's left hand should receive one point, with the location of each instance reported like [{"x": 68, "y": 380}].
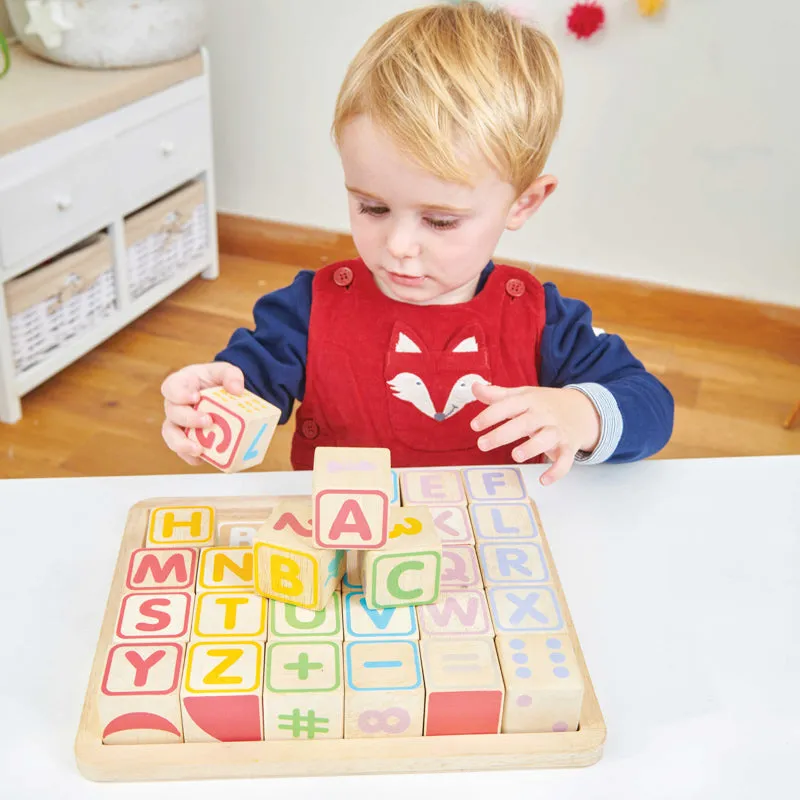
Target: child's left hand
[{"x": 556, "y": 422}]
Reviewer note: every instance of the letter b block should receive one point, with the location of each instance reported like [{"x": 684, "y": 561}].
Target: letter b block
[{"x": 352, "y": 491}]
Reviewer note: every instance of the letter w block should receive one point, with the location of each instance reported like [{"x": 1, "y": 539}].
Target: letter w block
[{"x": 352, "y": 490}]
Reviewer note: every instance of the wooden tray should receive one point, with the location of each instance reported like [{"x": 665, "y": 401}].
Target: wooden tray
[{"x": 145, "y": 762}]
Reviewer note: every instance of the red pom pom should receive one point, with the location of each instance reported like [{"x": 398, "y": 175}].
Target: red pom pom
[{"x": 586, "y": 19}]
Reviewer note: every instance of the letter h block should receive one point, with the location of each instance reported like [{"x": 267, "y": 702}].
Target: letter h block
[{"x": 352, "y": 491}]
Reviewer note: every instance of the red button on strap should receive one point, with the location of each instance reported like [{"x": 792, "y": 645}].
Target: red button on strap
[
  {"x": 343, "y": 276},
  {"x": 515, "y": 287},
  {"x": 309, "y": 429}
]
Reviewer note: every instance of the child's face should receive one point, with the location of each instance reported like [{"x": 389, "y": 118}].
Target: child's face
[{"x": 425, "y": 240}]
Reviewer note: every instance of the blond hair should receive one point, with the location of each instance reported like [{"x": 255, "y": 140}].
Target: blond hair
[{"x": 447, "y": 82}]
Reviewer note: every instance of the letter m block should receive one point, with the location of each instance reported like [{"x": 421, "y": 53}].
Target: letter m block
[{"x": 352, "y": 490}]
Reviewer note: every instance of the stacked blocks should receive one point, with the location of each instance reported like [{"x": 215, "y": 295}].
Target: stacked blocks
[{"x": 244, "y": 626}]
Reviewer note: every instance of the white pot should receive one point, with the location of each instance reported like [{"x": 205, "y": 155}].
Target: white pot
[{"x": 109, "y": 33}]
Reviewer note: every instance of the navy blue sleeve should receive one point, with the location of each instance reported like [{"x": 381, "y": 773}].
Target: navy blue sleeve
[
  {"x": 636, "y": 409},
  {"x": 273, "y": 354}
]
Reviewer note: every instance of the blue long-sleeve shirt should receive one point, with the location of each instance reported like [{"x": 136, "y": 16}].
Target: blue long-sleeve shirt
[{"x": 636, "y": 409}]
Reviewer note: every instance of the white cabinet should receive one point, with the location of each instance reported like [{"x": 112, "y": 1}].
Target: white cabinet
[{"x": 96, "y": 179}]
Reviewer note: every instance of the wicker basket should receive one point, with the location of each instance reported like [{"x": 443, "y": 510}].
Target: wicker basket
[
  {"x": 166, "y": 236},
  {"x": 60, "y": 299}
]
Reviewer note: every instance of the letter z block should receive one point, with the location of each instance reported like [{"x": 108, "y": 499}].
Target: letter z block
[
  {"x": 241, "y": 430},
  {"x": 287, "y": 566},
  {"x": 352, "y": 490}
]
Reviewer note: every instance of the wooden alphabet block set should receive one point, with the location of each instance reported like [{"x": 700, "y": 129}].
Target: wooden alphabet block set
[{"x": 404, "y": 609}]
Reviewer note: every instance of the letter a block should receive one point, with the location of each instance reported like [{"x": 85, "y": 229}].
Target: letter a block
[
  {"x": 221, "y": 692},
  {"x": 139, "y": 700},
  {"x": 288, "y": 567},
  {"x": 408, "y": 569},
  {"x": 352, "y": 489},
  {"x": 241, "y": 430}
]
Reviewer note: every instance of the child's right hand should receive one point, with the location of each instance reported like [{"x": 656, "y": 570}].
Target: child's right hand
[{"x": 181, "y": 392}]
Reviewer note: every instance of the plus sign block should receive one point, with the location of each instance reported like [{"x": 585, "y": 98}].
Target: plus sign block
[
  {"x": 221, "y": 691},
  {"x": 407, "y": 570},
  {"x": 287, "y": 565},
  {"x": 352, "y": 491},
  {"x": 303, "y": 690},
  {"x": 241, "y": 430},
  {"x": 384, "y": 692}
]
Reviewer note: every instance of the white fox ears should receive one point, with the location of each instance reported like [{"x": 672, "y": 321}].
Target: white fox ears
[
  {"x": 468, "y": 345},
  {"x": 468, "y": 340},
  {"x": 404, "y": 345}
]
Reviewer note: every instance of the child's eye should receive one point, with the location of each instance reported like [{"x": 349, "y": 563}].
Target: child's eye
[
  {"x": 442, "y": 224},
  {"x": 373, "y": 211}
]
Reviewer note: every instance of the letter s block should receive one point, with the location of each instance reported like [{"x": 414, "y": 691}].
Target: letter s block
[
  {"x": 241, "y": 430},
  {"x": 287, "y": 566},
  {"x": 352, "y": 491},
  {"x": 408, "y": 569}
]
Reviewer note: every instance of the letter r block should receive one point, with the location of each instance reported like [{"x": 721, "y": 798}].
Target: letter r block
[{"x": 352, "y": 491}]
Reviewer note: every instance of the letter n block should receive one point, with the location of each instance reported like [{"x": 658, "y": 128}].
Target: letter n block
[
  {"x": 221, "y": 692},
  {"x": 154, "y": 617},
  {"x": 384, "y": 693},
  {"x": 225, "y": 568},
  {"x": 181, "y": 526},
  {"x": 288, "y": 567},
  {"x": 241, "y": 430},
  {"x": 464, "y": 686},
  {"x": 408, "y": 569},
  {"x": 352, "y": 490},
  {"x": 139, "y": 700},
  {"x": 162, "y": 569}
]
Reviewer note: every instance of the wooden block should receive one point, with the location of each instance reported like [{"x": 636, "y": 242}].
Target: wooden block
[
  {"x": 181, "y": 526},
  {"x": 288, "y": 567},
  {"x": 239, "y": 532},
  {"x": 154, "y": 617},
  {"x": 406, "y": 571},
  {"x": 463, "y": 685},
  {"x": 384, "y": 693},
  {"x": 494, "y": 484},
  {"x": 364, "y": 623},
  {"x": 354, "y": 565},
  {"x": 352, "y": 584},
  {"x": 228, "y": 616},
  {"x": 493, "y": 522},
  {"x": 303, "y": 690},
  {"x": 513, "y": 563},
  {"x": 458, "y": 613},
  {"x": 139, "y": 699},
  {"x": 544, "y": 685},
  {"x": 221, "y": 692},
  {"x": 225, "y": 568},
  {"x": 162, "y": 569},
  {"x": 395, "y": 500},
  {"x": 460, "y": 568},
  {"x": 453, "y": 524},
  {"x": 352, "y": 487},
  {"x": 525, "y": 609},
  {"x": 242, "y": 429},
  {"x": 288, "y": 622},
  {"x": 431, "y": 487}
]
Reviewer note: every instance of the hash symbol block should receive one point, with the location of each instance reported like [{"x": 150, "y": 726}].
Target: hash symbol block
[
  {"x": 241, "y": 430},
  {"x": 352, "y": 490},
  {"x": 181, "y": 526},
  {"x": 162, "y": 569},
  {"x": 494, "y": 484}
]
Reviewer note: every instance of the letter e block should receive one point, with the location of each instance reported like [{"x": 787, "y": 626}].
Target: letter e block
[{"x": 432, "y": 487}]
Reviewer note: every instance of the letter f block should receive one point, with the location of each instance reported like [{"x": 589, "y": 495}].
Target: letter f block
[{"x": 352, "y": 491}]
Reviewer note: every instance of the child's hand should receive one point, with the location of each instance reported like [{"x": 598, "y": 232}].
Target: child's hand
[
  {"x": 181, "y": 391},
  {"x": 556, "y": 422}
]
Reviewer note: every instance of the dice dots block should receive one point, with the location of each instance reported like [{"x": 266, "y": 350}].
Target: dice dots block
[
  {"x": 352, "y": 488},
  {"x": 241, "y": 430},
  {"x": 287, "y": 565}
]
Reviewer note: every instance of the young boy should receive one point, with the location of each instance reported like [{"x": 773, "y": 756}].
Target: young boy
[{"x": 443, "y": 123}]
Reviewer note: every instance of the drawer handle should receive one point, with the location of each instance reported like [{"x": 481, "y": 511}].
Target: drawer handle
[
  {"x": 167, "y": 148},
  {"x": 63, "y": 202}
]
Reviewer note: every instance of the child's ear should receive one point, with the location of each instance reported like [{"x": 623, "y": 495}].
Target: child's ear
[{"x": 530, "y": 200}]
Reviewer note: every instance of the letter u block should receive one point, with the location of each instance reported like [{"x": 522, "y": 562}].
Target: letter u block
[
  {"x": 287, "y": 565},
  {"x": 408, "y": 569},
  {"x": 352, "y": 491}
]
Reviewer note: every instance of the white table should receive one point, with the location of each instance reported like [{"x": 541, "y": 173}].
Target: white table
[{"x": 683, "y": 578}]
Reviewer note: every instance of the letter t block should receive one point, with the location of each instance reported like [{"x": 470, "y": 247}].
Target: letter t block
[{"x": 352, "y": 490}]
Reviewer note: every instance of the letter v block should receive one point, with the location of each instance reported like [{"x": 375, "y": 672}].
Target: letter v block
[
  {"x": 352, "y": 490},
  {"x": 287, "y": 566}
]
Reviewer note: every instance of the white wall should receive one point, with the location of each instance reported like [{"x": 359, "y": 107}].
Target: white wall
[{"x": 679, "y": 155}]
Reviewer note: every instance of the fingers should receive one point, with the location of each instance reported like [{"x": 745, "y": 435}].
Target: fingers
[
  {"x": 487, "y": 393},
  {"x": 543, "y": 440},
  {"x": 178, "y": 442},
  {"x": 561, "y": 466},
  {"x": 508, "y": 408},
  {"x": 185, "y": 416},
  {"x": 524, "y": 424},
  {"x": 182, "y": 387},
  {"x": 220, "y": 373}
]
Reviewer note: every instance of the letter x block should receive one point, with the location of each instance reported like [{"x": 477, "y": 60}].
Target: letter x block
[
  {"x": 352, "y": 490},
  {"x": 287, "y": 565},
  {"x": 241, "y": 430}
]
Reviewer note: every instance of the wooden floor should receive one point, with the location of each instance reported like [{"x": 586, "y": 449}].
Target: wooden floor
[{"x": 102, "y": 415}]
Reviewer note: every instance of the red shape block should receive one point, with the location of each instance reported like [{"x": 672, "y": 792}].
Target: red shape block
[
  {"x": 226, "y": 718},
  {"x": 458, "y": 713}
]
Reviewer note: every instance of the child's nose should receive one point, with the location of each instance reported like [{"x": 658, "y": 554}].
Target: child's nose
[{"x": 401, "y": 242}]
